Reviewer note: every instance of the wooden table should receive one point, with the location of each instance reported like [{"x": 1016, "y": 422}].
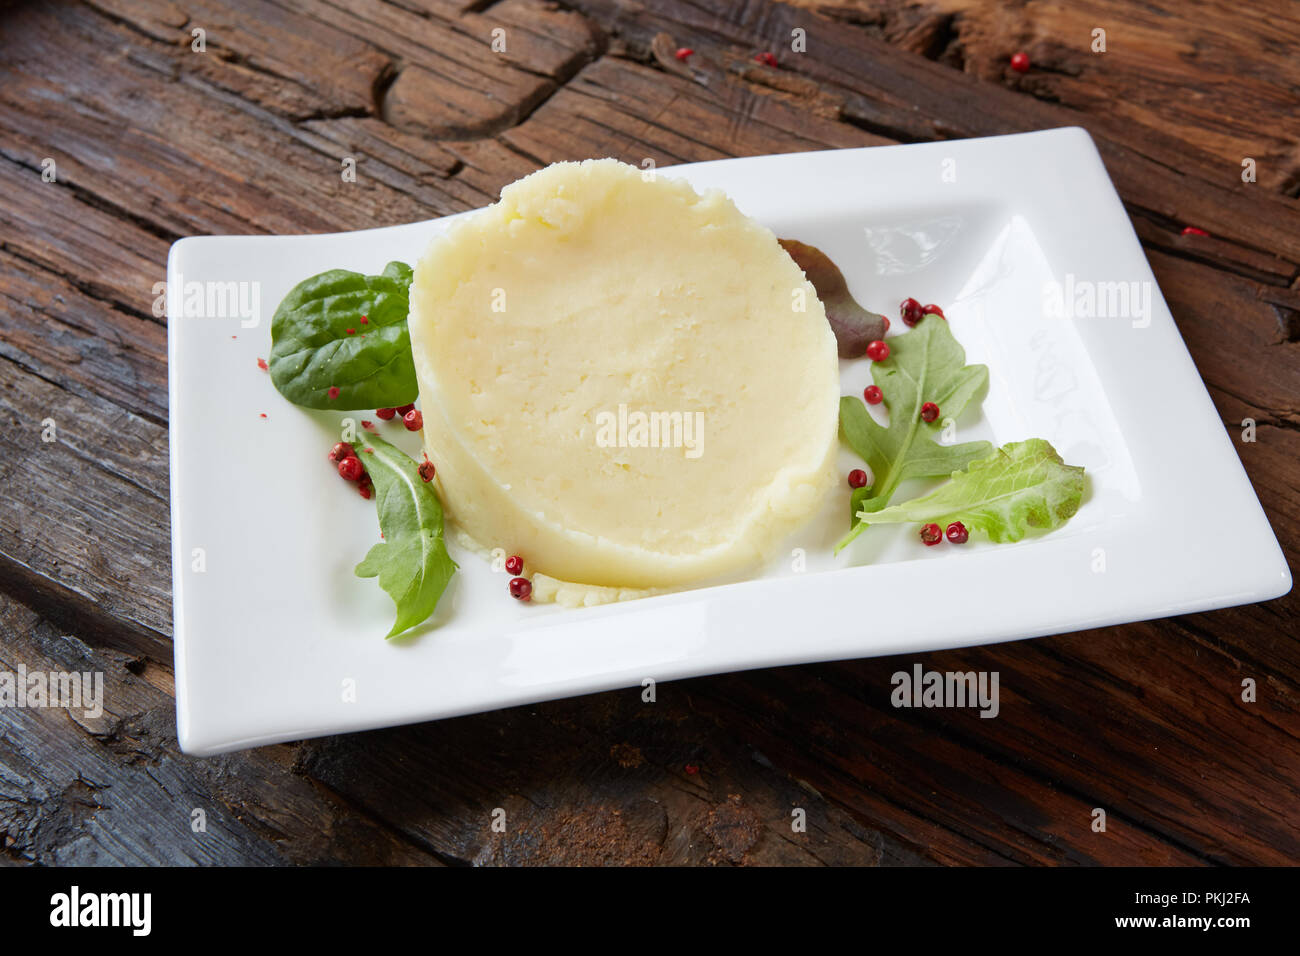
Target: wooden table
[{"x": 152, "y": 140}]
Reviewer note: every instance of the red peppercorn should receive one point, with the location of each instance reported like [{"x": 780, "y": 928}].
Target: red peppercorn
[
  {"x": 929, "y": 412},
  {"x": 261, "y": 363},
  {"x": 521, "y": 589},
  {"x": 385, "y": 413},
  {"x": 885, "y": 319},
  {"x": 366, "y": 489},
  {"x": 333, "y": 392},
  {"x": 364, "y": 320},
  {"x": 404, "y": 409},
  {"x": 367, "y": 425},
  {"x": 683, "y": 52},
  {"x": 877, "y": 351},
  {"x": 909, "y": 310},
  {"x": 857, "y": 478},
  {"x": 767, "y": 58},
  {"x": 873, "y": 394},
  {"x": 350, "y": 331},
  {"x": 342, "y": 450},
  {"x": 692, "y": 768},
  {"x": 351, "y": 469},
  {"x": 515, "y": 564},
  {"x": 957, "y": 533},
  {"x": 934, "y": 310},
  {"x": 1020, "y": 62},
  {"x": 413, "y": 421},
  {"x": 426, "y": 470},
  {"x": 1193, "y": 231},
  {"x": 931, "y": 534}
]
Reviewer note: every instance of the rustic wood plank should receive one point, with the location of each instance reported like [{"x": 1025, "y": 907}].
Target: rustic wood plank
[
  {"x": 644, "y": 783},
  {"x": 623, "y": 109},
  {"x": 449, "y": 82},
  {"x": 78, "y": 788},
  {"x": 910, "y": 98},
  {"x": 62, "y": 335},
  {"x": 264, "y": 53},
  {"x": 887, "y": 760},
  {"x": 1214, "y": 310},
  {"x": 154, "y": 141},
  {"x": 1211, "y": 74},
  {"x": 97, "y": 253},
  {"x": 86, "y": 529}
]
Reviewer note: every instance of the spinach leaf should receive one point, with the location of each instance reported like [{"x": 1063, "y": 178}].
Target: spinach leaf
[
  {"x": 339, "y": 340},
  {"x": 925, "y": 365},
  {"x": 411, "y": 562},
  {"x": 1020, "y": 486}
]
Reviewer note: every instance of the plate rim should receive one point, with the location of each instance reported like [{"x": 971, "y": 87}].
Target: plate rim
[{"x": 198, "y": 736}]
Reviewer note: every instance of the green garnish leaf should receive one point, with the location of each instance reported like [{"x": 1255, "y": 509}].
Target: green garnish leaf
[
  {"x": 925, "y": 365},
  {"x": 853, "y": 325},
  {"x": 313, "y": 351},
  {"x": 411, "y": 562},
  {"x": 1020, "y": 486}
]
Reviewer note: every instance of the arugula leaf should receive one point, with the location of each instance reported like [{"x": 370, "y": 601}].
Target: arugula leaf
[
  {"x": 853, "y": 325},
  {"x": 1020, "y": 486},
  {"x": 925, "y": 365},
  {"x": 312, "y": 351},
  {"x": 411, "y": 562}
]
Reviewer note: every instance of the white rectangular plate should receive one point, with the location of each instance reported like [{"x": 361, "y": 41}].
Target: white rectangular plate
[{"x": 276, "y": 639}]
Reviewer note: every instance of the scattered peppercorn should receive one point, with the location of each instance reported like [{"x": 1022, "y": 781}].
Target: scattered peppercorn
[
  {"x": 931, "y": 534},
  {"x": 957, "y": 533},
  {"x": 873, "y": 394},
  {"x": 877, "y": 351},
  {"x": 909, "y": 310},
  {"x": 857, "y": 478}
]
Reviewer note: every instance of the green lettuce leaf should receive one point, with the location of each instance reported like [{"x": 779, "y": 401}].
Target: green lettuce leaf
[
  {"x": 312, "y": 350},
  {"x": 1020, "y": 486},
  {"x": 925, "y": 365},
  {"x": 411, "y": 562}
]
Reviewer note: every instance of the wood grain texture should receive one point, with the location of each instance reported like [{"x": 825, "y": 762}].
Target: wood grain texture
[
  {"x": 153, "y": 141},
  {"x": 78, "y": 787},
  {"x": 1217, "y": 75}
]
